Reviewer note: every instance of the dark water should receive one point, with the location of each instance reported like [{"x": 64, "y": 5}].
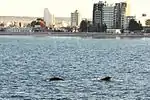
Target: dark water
[{"x": 25, "y": 63}]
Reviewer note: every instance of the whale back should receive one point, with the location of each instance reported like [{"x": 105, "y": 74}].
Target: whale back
[
  {"x": 106, "y": 78},
  {"x": 56, "y": 79}
]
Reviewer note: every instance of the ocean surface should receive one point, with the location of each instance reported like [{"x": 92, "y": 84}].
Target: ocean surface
[{"x": 27, "y": 61}]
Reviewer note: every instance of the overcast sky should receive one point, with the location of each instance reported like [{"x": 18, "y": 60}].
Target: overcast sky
[{"x": 62, "y": 8}]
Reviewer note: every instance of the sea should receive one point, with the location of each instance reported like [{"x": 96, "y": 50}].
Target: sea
[{"x": 27, "y": 62}]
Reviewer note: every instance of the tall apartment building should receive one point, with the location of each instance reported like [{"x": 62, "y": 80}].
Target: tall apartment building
[
  {"x": 98, "y": 13},
  {"x": 75, "y": 18},
  {"x": 47, "y": 17},
  {"x": 120, "y": 15},
  {"x": 108, "y": 16}
]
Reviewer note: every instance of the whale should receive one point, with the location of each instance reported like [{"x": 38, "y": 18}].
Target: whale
[{"x": 107, "y": 78}]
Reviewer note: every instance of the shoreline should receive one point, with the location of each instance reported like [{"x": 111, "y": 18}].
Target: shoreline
[{"x": 93, "y": 35}]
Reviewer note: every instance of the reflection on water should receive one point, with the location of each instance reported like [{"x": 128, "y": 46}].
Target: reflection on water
[{"x": 25, "y": 63}]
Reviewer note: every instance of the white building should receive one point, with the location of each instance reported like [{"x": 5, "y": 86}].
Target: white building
[
  {"x": 97, "y": 17},
  {"x": 75, "y": 18},
  {"x": 108, "y": 16},
  {"x": 48, "y": 18}
]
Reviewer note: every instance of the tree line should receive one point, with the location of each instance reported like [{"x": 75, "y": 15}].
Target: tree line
[
  {"x": 133, "y": 26},
  {"x": 38, "y": 21},
  {"x": 85, "y": 26}
]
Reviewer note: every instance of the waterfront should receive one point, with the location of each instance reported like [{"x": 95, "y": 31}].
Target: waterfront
[
  {"x": 94, "y": 35},
  {"x": 26, "y": 61}
]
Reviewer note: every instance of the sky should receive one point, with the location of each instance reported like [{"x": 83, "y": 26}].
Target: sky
[{"x": 63, "y": 8}]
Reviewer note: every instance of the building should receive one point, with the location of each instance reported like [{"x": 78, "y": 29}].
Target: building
[
  {"x": 48, "y": 17},
  {"x": 108, "y": 16},
  {"x": 98, "y": 13},
  {"x": 75, "y": 18},
  {"x": 119, "y": 15},
  {"x": 146, "y": 29},
  {"x": 9, "y": 20},
  {"x": 128, "y": 18},
  {"x": 123, "y": 6}
]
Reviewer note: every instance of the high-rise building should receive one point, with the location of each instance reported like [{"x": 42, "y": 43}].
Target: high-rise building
[
  {"x": 108, "y": 16},
  {"x": 98, "y": 13},
  {"x": 119, "y": 15},
  {"x": 75, "y": 18},
  {"x": 48, "y": 17}
]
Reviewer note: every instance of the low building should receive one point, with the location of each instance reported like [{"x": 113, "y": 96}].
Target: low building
[{"x": 146, "y": 29}]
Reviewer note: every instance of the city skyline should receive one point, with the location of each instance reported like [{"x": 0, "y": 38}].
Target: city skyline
[{"x": 63, "y": 8}]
